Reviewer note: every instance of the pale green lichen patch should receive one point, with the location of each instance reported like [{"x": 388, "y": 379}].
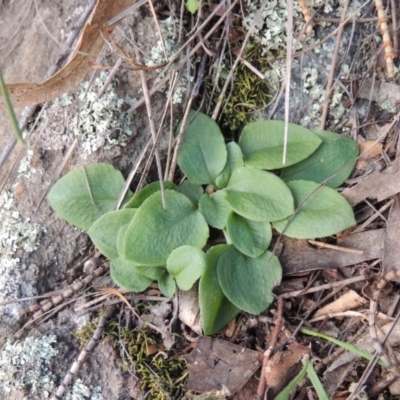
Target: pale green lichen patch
[
  {"x": 103, "y": 121},
  {"x": 24, "y": 365},
  {"x": 79, "y": 391},
  {"x": 16, "y": 233},
  {"x": 168, "y": 47}
]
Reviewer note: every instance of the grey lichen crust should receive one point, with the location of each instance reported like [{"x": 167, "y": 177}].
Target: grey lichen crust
[
  {"x": 24, "y": 365},
  {"x": 102, "y": 121}
]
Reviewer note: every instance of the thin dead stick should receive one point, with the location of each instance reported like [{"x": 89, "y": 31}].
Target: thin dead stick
[
  {"x": 373, "y": 217},
  {"x": 132, "y": 174},
  {"x": 110, "y": 77},
  {"x": 267, "y": 354},
  {"x": 289, "y": 44},
  {"x": 394, "y": 28},
  {"x": 152, "y": 126},
  {"x": 127, "y": 11},
  {"x": 372, "y": 363},
  {"x": 163, "y": 81},
  {"x": 237, "y": 61},
  {"x": 179, "y": 139},
  {"x": 387, "y": 42},
  {"x": 327, "y": 286},
  {"x": 89, "y": 346},
  {"x": 329, "y": 85},
  {"x": 349, "y": 314},
  {"x": 335, "y": 247}
]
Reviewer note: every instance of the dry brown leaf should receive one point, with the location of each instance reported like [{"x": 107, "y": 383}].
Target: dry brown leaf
[
  {"x": 347, "y": 301},
  {"x": 299, "y": 256},
  {"x": 65, "y": 80},
  {"x": 215, "y": 363},
  {"x": 379, "y": 185},
  {"x": 387, "y": 93},
  {"x": 284, "y": 366},
  {"x": 369, "y": 149}
]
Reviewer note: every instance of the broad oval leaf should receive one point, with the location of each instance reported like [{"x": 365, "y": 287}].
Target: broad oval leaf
[
  {"x": 154, "y": 273},
  {"x": 251, "y": 238},
  {"x": 84, "y": 195},
  {"x": 259, "y": 195},
  {"x": 154, "y": 231},
  {"x": 137, "y": 200},
  {"x": 191, "y": 191},
  {"x": 121, "y": 239},
  {"x": 125, "y": 275},
  {"x": 215, "y": 209},
  {"x": 167, "y": 285},
  {"x": 233, "y": 162},
  {"x": 186, "y": 264},
  {"x": 203, "y": 153},
  {"x": 248, "y": 282},
  {"x": 262, "y": 144},
  {"x": 215, "y": 309},
  {"x": 324, "y": 213},
  {"x": 335, "y": 152},
  {"x": 104, "y": 231}
]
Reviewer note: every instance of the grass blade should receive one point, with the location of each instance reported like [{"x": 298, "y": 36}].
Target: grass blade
[{"x": 10, "y": 109}]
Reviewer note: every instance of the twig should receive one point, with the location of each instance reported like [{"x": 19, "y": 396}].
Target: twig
[
  {"x": 289, "y": 43},
  {"x": 394, "y": 28},
  {"x": 387, "y": 42},
  {"x": 343, "y": 283},
  {"x": 89, "y": 346},
  {"x": 152, "y": 127},
  {"x": 373, "y": 217},
  {"x": 329, "y": 85},
  {"x": 162, "y": 82},
  {"x": 267, "y": 354},
  {"x": 334, "y": 247}
]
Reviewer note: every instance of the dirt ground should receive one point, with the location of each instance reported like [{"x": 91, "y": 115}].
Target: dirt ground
[{"x": 363, "y": 106}]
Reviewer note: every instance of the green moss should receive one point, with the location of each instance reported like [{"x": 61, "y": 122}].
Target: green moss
[
  {"x": 162, "y": 376},
  {"x": 248, "y": 95}
]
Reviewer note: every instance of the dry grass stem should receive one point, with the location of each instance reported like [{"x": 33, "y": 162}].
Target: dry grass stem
[{"x": 335, "y": 247}]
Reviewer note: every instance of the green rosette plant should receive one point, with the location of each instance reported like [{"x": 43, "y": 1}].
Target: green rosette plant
[{"x": 231, "y": 187}]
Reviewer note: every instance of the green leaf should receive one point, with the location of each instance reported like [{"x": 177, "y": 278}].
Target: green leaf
[
  {"x": 155, "y": 232},
  {"x": 347, "y": 346},
  {"x": 215, "y": 309},
  {"x": 147, "y": 191},
  {"x": 312, "y": 375},
  {"x": 259, "y": 195},
  {"x": 121, "y": 238},
  {"x": 234, "y": 162},
  {"x": 262, "y": 144},
  {"x": 192, "y": 5},
  {"x": 104, "y": 231},
  {"x": 154, "y": 273},
  {"x": 285, "y": 393},
  {"x": 251, "y": 238},
  {"x": 191, "y": 191},
  {"x": 215, "y": 209},
  {"x": 10, "y": 109},
  {"x": 324, "y": 213},
  {"x": 186, "y": 264},
  {"x": 125, "y": 275},
  {"x": 203, "y": 153},
  {"x": 335, "y": 152},
  {"x": 167, "y": 285},
  {"x": 82, "y": 196},
  {"x": 248, "y": 282}
]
